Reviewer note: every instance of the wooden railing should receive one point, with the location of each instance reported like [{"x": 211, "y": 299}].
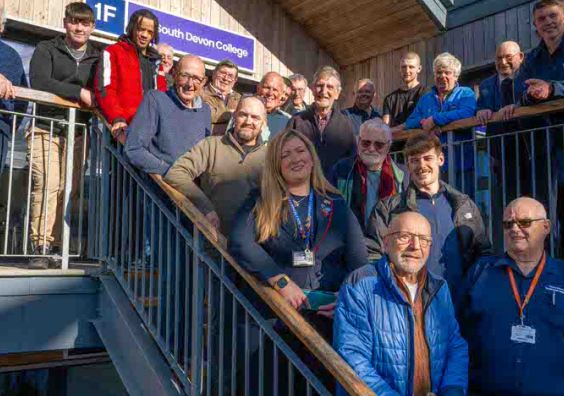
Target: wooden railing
[
  {"x": 520, "y": 112},
  {"x": 340, "y": 370}
]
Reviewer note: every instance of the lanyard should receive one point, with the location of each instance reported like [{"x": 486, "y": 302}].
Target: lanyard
[
  {"x": 304, "y": 230},
  {"x": 522, "y": 305}
]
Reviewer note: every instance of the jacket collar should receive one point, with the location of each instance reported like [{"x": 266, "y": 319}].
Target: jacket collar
[
  {"x": 455, "y": 198},
  {"x": 198, "y": 103},
  {"x": 506, "y": 261},
  {"x": 230, "y": 140},
  {"x": 61, "y": 45}
]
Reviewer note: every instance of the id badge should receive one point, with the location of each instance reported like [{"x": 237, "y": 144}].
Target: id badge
[
  {"x": 304, "y": 258},
  {"x": 523, "y": 334}
]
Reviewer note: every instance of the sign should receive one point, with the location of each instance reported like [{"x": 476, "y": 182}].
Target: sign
[{"x": 184, "y": 35}]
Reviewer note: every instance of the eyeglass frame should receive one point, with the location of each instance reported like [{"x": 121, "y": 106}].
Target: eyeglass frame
[
  {"x": 187, "y": 77},
  {"x": 424, "y": 240}
]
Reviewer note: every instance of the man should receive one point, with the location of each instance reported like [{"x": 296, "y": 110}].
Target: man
[
  {"x": 400, "y": 104},
  {"x": 459, "y": 235},
  {"x": 543, "y": 74},
  {"x": 330, "y": 130},
  {"x": 362, "y": 110},
  {"x": 221, "y": 97},
  {"x": 271, "y": 89},
  {"x": 502, "y": 91},
  {"x": 297, "y": 103},
  {"x": 127, "y": 71},
  {"x": 168, "y": 124},
  {"x": 11, "y": 74},
  {"x": 372, "y": 175},
  {"x": 166, "y": 53},
  {"x": 228, "y": 166},
  {"x": 395, "y": 322},
  {"x": 64, "y": 66},
  {"x": 512, "y": 310}
]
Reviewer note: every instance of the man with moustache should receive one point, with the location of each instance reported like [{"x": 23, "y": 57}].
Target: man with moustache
[
  {"x": 228, "y": 166},
  {"x": 362, "y": 110},
  {"x": 220, "y": 95},
  {"x": 372, "y": 175},
  {"x": 168, "y": 124},
  {"x": 64, "y": 66},
  {"x": 400, "y": 104},
  {"x": 127, "y": 71},
  {"x": 323, "y": 123},
  {"x": 417, "y": 349},
  {"x": 512, "y": 310},
  {"x": 459, "y": 235},
  {"x": 272, "y": 89}
]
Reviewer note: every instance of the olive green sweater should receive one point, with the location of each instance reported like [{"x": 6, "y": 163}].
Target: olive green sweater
[{"x": 227, "y": 175}]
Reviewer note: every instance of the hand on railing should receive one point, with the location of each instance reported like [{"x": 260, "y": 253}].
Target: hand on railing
[
  {"x": 7, "y": 90},
  {"x": 118, "y": 131}
]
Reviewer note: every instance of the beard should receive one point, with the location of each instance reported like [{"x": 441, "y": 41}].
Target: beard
[{"x": 371, "y": 160}]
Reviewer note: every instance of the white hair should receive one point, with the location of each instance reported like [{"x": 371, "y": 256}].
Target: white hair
[
  {"x": 376, "y": 124},
  {"x": 327, "y": 72},
  {"x": 447, "y": 61}
]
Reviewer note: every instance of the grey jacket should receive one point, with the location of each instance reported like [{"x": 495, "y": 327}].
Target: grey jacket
[{"x": 467, "y": 219}]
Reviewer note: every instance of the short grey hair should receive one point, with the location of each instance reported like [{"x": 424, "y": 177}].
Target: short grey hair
[
  {"x": 376, "y": 124},
  {"x": 327, "y": 72},
  {"x": 363, "y": 81},
  {"x": 447, "y": 61},
  {"x": 298, "y": 77}
]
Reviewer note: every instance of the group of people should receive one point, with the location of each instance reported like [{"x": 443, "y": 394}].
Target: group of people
[{"x": 314, "y": 206}]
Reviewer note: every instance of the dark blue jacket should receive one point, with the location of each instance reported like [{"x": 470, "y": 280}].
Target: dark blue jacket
[
  {"x": 490, "y": 92},
  {"x": 539, "y": 63},
  {"x": 374, "y": 333},
  {"x": 359, "y": 116},
  {"x": 163, "y": 129},
  {"x": 340, "y": 240},
  {"x": 11, "y": 67},
  {"x": 487, "y": 310}
]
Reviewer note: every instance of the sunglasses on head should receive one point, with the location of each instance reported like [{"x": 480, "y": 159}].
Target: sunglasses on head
[
  {"x": 377, "y": 145},
  {"x": 521, "y": 223}
]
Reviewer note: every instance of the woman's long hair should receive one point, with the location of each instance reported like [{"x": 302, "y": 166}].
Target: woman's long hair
[{"x": 272, "y": 208}]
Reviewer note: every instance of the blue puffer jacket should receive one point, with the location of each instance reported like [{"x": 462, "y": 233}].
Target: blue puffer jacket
[
  {"x": 459, "y": 104},
  {"x": 374, "y": 332}
]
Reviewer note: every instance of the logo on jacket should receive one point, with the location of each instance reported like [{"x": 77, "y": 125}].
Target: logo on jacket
[
  {"x": 326, "y": 207},
  {"x": 468, "y": 216}
]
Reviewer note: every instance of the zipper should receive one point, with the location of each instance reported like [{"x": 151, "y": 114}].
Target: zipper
[{"x": 410, "y": 353}]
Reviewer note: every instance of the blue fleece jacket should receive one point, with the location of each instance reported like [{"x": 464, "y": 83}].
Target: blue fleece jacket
[
  {"x": 163, "y": 129},
  {"x": 459, "y": 104},
  {"x": 11, "y": 67}
]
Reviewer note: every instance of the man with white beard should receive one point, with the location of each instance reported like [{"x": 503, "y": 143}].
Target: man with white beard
[
  {"x": 459, "y": 234},
  {"x": 371, "y": 175}
]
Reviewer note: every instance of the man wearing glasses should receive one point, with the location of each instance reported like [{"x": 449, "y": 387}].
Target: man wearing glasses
[
  {"x": 220, "y": 96},
  {"x": 168, "y": 124},
  {"x": 417, "y": 348},
  {"x": 371, "y": 175},
  {"x": 512, "y": 310},
  {"x": 459, "y": 235}
]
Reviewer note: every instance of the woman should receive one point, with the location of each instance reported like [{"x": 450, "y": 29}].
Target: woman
[{"x": 300, "y": 234}]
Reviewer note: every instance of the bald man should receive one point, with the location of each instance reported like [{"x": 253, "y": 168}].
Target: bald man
[
  {"x": 370, "y": 175},
  {"x": 395, "y": 322},
  {"x": 362, "y": 110},
  {"x": 516, "y": 342},
  {"x": 272, "y": 89},
  {"x": 168, "y": 124},
  {"x": 502, "y": 91}
]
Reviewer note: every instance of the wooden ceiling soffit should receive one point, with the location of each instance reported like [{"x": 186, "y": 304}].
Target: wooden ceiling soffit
[{"x": 355, "y": 30}]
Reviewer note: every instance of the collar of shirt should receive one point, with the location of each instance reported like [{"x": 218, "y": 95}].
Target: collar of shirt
[
  {"x": 369, "y": 113},
  {"x": 219, "y": 93},
  {"x": 196, "y": 103},
  {"x": 322, "y": 121},
  {"x": 544, "y": 48},
  {"x": 506, "y": 261},
  {"x": 502, "y": 78}
]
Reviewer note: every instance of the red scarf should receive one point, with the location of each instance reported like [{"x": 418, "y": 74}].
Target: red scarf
[{"x": 387, "y": 186}]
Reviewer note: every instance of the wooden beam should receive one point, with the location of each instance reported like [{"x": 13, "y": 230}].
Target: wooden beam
[
  {"x": 524, "y": 111},
  {"x": 44, "y": 98}
]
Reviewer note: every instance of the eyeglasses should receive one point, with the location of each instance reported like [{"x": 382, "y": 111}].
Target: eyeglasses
[
  {"x": 227, "y": 76},
  {"x": 521, "y": 223},
  {"x": 365, "y": 144},
  {"x": 507, "y": 57},
  {"x": 186, "y": 77},
  {"x": 404, "y": 237}
]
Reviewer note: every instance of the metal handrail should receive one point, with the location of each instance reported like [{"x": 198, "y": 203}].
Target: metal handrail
[{"x": 340, "y": 370}]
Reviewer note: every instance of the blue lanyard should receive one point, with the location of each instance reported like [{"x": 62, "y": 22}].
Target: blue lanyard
[{"x": 305, "y": 234}]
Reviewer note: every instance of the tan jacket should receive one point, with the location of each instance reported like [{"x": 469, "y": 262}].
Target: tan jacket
[
  {"x": 227, "y": 176},
  {"x": 220, "y": 112}
]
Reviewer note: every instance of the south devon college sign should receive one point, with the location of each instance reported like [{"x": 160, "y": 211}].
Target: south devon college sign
[{"x": 185, "y": 35}]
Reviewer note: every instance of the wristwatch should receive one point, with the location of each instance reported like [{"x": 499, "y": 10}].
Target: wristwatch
[{"x": 281, "y": 283}]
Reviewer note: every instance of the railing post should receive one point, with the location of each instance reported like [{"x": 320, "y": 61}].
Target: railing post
[
  {"x": 197, "y": 312},
  {"x": 451, "y": 159},
  {"x": 67, "y": 206}
]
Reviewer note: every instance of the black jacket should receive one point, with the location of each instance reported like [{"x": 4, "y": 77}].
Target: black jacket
[
  {"x": 466, "y": 217},
  {"x": 53, "y": 69},
  {"x": 337, "y": 140},
  {"x": 340, "y": 240}
]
